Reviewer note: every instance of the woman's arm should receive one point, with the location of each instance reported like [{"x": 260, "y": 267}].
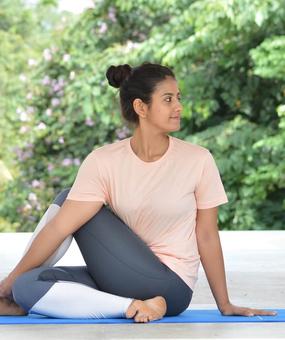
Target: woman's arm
[
  {"x": 71, "y": 216},
  {"x": 211, "y": 254},
  {"x": 44, "y": 244}
]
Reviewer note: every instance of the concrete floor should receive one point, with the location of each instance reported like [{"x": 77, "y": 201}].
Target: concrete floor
[{"x": 255, "y": 268}]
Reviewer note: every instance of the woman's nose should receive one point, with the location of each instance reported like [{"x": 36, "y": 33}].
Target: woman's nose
[{"x": 179, "y": 107}]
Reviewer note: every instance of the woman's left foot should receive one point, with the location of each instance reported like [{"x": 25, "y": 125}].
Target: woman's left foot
[
  {"x": 8, "y": 307},
  {"x": 147, "y": 310}
]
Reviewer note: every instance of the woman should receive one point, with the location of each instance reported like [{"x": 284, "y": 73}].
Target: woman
[{"x": 143, "y": 251}]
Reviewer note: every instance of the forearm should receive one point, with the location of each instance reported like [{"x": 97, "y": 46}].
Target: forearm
[
  {"x": 44, "y": 244},
  {"x": 211, "y": 254}
]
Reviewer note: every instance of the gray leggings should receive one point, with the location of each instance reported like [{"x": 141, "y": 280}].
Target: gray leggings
[{"x": 117, "y": 261}]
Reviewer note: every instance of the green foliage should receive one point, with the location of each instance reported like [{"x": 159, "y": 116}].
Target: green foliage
[
  {"x": 269, "y": 58},
  {"x": 227, "y": 57}
]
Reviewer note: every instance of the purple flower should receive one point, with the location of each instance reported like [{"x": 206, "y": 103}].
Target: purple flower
[
  {"x": 56, "y": 87},
  {"x": 17, "y": 150},
  {"x": 25, "y": 155},
  {"x": 47, "y": 54},
  {"x": 112, "y": 14},
  {"x": 41, "y": 126},
  {"x": 50, "y": 167},
  {"x": 46, "y": 80},
  {"x": 76, "y": 161},
  {"x": 48, "y": 112},
  {"x": 89, "y": 122},
  {"x": 61, "y": 140},
  {"x": 67, "y": 162},
  {"x": 103, "y": 27},
  {"x": 36, "y": 183},
  {"x": 61, "y": 81},
  {"x": 29, "y": 145},
  {"x": 32, "y": 196},
  {"x": 131, "y": 45},
  {"x": 123, "y": 132},
  {"x": 24, "y": 117},
  {"x": 29, "y": 95},
  {"x": 24, "y": 129},
  {"x": 32, "y": 62},
  {"x": 30, "y": 109},
  {"x": 66, "y": 57},
  {"x": 55, "y": 102}
]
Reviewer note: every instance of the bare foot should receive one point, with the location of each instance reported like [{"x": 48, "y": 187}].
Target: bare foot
[
  {"x": 9, "y": 307},
  {"x": 147, "y": 310}
]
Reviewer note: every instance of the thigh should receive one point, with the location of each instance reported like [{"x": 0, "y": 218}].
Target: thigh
[{"x": 121, "y": 263}]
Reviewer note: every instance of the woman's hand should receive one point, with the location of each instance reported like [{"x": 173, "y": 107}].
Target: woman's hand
[
  {"x": 230, "y": 309},
  {"x": 6, "y": 288}
]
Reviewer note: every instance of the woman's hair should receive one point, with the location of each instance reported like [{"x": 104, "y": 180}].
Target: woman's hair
[{"x": 138, "y": 82}]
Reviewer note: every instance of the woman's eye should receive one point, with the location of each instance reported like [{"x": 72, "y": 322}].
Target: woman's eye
[{"x": 179, "y": 98}]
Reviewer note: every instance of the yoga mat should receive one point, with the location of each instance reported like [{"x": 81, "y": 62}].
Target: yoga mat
[{"x": 188, "y": 316}]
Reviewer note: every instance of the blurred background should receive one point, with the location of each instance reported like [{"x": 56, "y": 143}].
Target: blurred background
[{"x": 56, "y": 105}]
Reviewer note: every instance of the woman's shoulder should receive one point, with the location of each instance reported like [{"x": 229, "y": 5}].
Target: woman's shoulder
[
  {"x": 108, "y": 150},
  {"x": 190, "y": 147}
]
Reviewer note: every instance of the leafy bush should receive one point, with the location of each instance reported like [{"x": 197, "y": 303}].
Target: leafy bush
[{"x": 228, "y": 60}]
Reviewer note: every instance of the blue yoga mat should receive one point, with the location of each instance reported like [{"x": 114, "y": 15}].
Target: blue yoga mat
[{"x": 189, "y": 316}]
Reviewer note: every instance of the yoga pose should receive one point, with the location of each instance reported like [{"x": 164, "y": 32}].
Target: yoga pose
[{"x": 143, "y": 211}]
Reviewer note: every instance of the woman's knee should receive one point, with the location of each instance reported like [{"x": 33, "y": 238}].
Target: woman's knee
[
  {"x": 20, "y": 291},
  {"x": 178, "y": 298},
  {"x": 61, "y": 197},
  {"x": 27, "y": 289}
]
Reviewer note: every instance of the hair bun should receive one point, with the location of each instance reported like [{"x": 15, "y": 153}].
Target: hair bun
[{"x": 117, "y": 74}]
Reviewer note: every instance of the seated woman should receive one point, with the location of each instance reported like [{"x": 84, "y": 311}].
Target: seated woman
[{"x": 143, "y": 253}]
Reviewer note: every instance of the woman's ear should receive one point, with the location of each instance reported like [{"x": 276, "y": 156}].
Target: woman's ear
[{"x": 139, "y": 107}]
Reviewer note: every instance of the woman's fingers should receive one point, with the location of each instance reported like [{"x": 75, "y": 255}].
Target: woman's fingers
[
  {"x": 262, "y": 312},
  {"x": 231, "y": 309}
]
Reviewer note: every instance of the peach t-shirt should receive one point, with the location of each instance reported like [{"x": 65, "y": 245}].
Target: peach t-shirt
[{"x": 157, "y": 200}]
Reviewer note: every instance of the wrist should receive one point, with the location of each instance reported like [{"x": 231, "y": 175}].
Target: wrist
[{"x": 11, "y": 278}]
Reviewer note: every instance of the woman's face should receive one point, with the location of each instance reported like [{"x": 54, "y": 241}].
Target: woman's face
[{"x": 165, "y": 109}]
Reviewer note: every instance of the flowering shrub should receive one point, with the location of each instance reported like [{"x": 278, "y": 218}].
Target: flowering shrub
[{"x": 228, "y": 62}]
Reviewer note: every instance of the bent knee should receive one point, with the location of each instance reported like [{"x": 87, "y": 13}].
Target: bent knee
[
  {"x": 60, "y": 198},
  {"x": 27, "y": 289},
  {"x": 20, "y": 291}
]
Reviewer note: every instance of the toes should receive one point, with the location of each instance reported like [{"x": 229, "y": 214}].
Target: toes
[
  {"x": 138, "y": 318},
  {"x": 132, "y": 309},
  {"x": 141, "y": 318},
  {"x": 131, "y": 312}
]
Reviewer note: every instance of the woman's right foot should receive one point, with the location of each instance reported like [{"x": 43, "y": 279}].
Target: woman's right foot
[
  {"x": 9, "y": 307},
  {"x": 147, "y": 310}
]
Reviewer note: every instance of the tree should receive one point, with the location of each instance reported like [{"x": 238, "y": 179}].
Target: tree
[{"x": 226, "y": 58}]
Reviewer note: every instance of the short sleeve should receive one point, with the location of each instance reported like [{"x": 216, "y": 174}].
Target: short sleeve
[
  {"x": 89, "y": 184},
  {"x": 209, "y": 191}
]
